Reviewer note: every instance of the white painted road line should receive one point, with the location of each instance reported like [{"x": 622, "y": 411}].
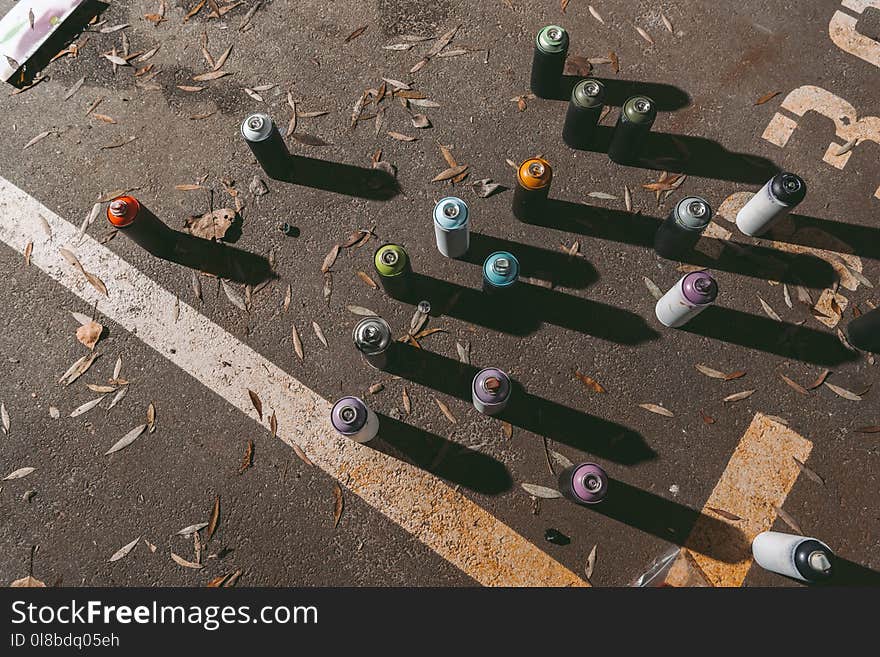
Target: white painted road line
[{"x": 446, "y": 521}]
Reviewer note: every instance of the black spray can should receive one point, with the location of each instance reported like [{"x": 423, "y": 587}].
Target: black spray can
[
  {"x": 548, "y": 62},
  {"x": 266, "y": 143},
  {"x": 584, "y": 110},
  {"x": 798, "y": 557},
  {"x": 633, "y": 125},
  {"x": 681, "y": 230},
  {"x": 864, "y": 331}
]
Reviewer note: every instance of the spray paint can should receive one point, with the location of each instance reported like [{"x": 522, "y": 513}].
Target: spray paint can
[
  {"x": 548, "y": 62},
  {"x": 490, "y": 391},
  {"x": 533, "y": 180},
  {"x": 127, "y": 215},
  {"x": 372, "y": 337},
  {"x": 686, "y": 299},
  {"x": 772, "y": 202},
  {"x": 393, "y": 266},
  {"x": 864, "y": 331},
  {"x": 681, "y": 230},
  {"x": 633, "y": 125},
  {"x": 584, "y": 483},
  {"x": 800, "y": 557},
  {"x": 266, "y": 143},
  {"x": 584, "y": 110},
  {"x": 451, "y": 227},
  {"x": 500, "y": 272},
  {"x": 352, "y": 418}
]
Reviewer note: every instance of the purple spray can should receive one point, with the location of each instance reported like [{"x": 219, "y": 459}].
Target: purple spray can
[
  {"x": 353, "y": 419},
  {"x": 584, "y": 483},
  {"x": 490, "y": 391},
  {"x": 686, "y": 299}
]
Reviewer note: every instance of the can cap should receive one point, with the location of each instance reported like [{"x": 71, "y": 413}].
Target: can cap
[
  {"x": 349, "y": 415},
  {"x": 451, "y": 213},
  {"x": 372, "y": 335},
  {"x": 501, "y": 269},
  {"x": 814, "y": 560},
  {"x": 257, "y": 127},
  {"x": 693, "y": 213},
  {"x": 535, "y": 173},
  {"x": 122, "y": 211},
  {"x": 552, "y": 39},
  {"x": 491, "y": 386},
  {"x": 700, "y": 288},
  {"x": 640, "y": 109},
  {"x": 390, "y": 260},
  {"x": 788, "y": 188},
  {"x": 588, "y": 93},
  {"x": 589, "y": 483}
]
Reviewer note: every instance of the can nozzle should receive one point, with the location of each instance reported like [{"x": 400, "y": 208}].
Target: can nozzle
[
  {"x": 698, "y": 208},
  {"x": 592, "y": 88},
  {"x": 389, "y": 257},
  {"x": 492, "y": 384},
  {"x": 348, "y": 414},
  {"x": 592, "y": 483},
  {"x": 255, "y": 122},
  {"x": 536, "y": 169},
  {"x": 643, "y": 105},
  {"x": 501, "y": 266},
  {"x": 819, "y": 561},
  {"x": 554, "y": 33},
  {"x": 118, "y": 208}
]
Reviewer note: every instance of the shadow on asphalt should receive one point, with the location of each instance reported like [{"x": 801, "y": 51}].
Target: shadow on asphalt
[
  {"x": 821, "y": 234},
  {"x": 667, "y": 97},
  {"x": 70, "y": 30},
  {"x": 849, "y": 573},
  {"x": 445, "y": 458},
  {"x": 637, "y": 229},
  {"x": 672, "y": 522},
  {"x": 585, "y": 432},
  {"x": 764, "y": 334},
  {"x": 695, "y": 156},
  {"x": 348, "y": 179},
  {"x": 521, "y": 310}
]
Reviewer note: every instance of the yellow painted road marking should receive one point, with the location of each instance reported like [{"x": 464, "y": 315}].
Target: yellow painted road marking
[
  {"x": 443, "y": 519},
  {"x": 757, "y": 479}
]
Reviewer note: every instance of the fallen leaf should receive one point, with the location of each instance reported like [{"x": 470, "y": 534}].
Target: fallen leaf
[
  {"x": 808, "y": 471},
  {"x": 151, "y": 418},
  {"x": 214, "y": 521},
  {"x": 85, "y": 408},
  {"x": 297, "y": 342},
  {"x": 234, "y": 296},
  {"x": 767, "y": 309},
  {"x": 420, "y": 121},
  {"x": 354, "y": 35},
  {"x": 871, "y": 429},
  {"x": 211, "y": 75},
  {"x": 89, "y": 334},
  {"x": 655, "y": 291},
  {"x": 485, "y": 187},
  {"x": 766, "y": 97},
  {"x": 576, "y": 65},
  {"x": 360, "y": 310},
  {"x": 27, "y": 582},
  {"x": 603, "y": 196},
  {"x": 464, "y": 352},
  {"x": 788, "y": 520},
  {"x": 727, "y": 515},
  {"x": 596, "y": 14},
  {"x": 18, "y": 474},
  {"x": 506, "y": 429},
  {"x": 733, "y": 376},
  {"x": 124, "y": 550},
  {"x": 192, "y": 529},
  {"x": 330, "y": 259},
  {"x": 118, "y": 398},
  {"x": 842, "y": 392},
  {"x": 127, "y": 439},
  {"x": 794, "y": 385},
  {"x": 449, "y": 173},
  {"x": 591, "y": 563},
  {"x": 590, "y": 382},
  {"x": 707, "y": 419},
  {"x": 338, "y": 503},
  {"x": 258, "y": 404},
  {"x": 180, "y": 561},
  {"x": 79, "y": 368},
  {"x": 541, "y": 491},
  {"x": 738, "y": 396},
  {"x": 445, "y": 410},
  {"x": 644, "y": 35},
  {"x": 667, "y": 23},
  {"x": 399, "y": 136},
  {"x": 708, "y": 371},
  {"x": 659, "y": 410},
  {"x": 320, "y": 334},
  {"x": 211, "y": 225},
  {"x": 4, "y": 418}
]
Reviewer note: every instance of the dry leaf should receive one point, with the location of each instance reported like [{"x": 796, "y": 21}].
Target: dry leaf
[
  {"x": 407, "y": 404},
  {"x": 124, "y": 550},
  {"x": 151, "y": 418},
  {"x": 449, "y": 173},
  {"x": 288, "y": 295},
  {"x": 320, "y": 334},
  {"x": 659, "y": 410},
  {"x": 27, "y": 582},
  {"x": 4, "y": 418},
  {"x": 809, "y": 472},
  {"x": 85, "y": 408},
  {"x": 297, "y": 343},
  {"x": 820, "y": 380},
  {"x": 767, "y": 309},
  {"x": 506, "y": 429},
  {"x": 708, "y": 371},
  {"x": 360, "y": 310},
  {"x": 18, "y": 474},
  {"x": 301, "y": 454},
  {"x": 192, "y": 529},
  {"x": 707, "y": 419},
  {"x": 842, "y": 392},
  {"x": 667, "y": 23},
  {"x": 596, "y": 14},
  {"x": 794, "y": 385},
  {"x": 214, "y": 521},
  {"x": 258, "y": 404},
  {"x": 738, "y": 396},
  {"x": 89, "y": 334},
  {"x": 234, "y": 296},
  {"x": 445, "y": 410},
  {"x": 211, "y": 225},
  {"x": 788, "y": 520},
  {"x": 366, "y": 279},
  {"x": 590, "y": 382},
  {"x": 399, "y": 136},
  {"x": 127, "y": 439},
  {"x": 338, "y": 503},
  {"x": 727, "y": 515},
  {"x": 591, "y": 563},
  {"x": 644, "y": 35},
  {"x": 541, "y": 491},
  {"x": 766, "y": 97},
  {"x": 186, "y": 564},
  {"x": 329, "y": 259},
  {"x": 79, "y": 368},
  {"x": 356, "y": 33},
  {"x": 655, "y": 291}
]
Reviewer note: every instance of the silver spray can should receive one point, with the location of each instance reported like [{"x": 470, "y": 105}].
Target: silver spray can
[
  {"x": 372, "y": 337},
  {"x": 490, "y": 391},
  {"x": 451, "y": 227},
  {"x": 774, "y": 200},
  {"x": 686, "y": 299},
  {"x": 800, "y": 557},
  {"x": 352, "y": 418},
  {"x": 266, "y": 143}
]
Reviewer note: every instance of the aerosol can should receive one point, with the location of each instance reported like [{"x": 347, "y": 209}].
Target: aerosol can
[
  {"x": 490, "y": 391},
  {"x": 393, "y": 266},
  {"x": 533, "y": 180},
  {"x": 800, "y": 557},
  {"x": 864, "y": 331},
  {"x": 353, "y": 419},
  {"x": 452, "y": 227},
  {"x": 681, "y": 230},
  {"x": 548, "y": 62},
  {"x": 133, "y": 220},
  {"x": 633, "y": 125},
  {"x": 584, "y": 483},
  {"x": 772, "y": 202},
  {"x": 584, "y": 110},
  {"x": 266, "y": 143},
  {"x": 500, "y": 272},
  {"x": 686, "y": 299},
  {"x": 372, "y": 337}
]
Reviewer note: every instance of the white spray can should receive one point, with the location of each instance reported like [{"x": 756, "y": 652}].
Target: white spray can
[
  {"x": 800, "y": 557},
  {"x": 686, "y": 299},
  {"x": 772, "y": 202},
  {"x": 451, "y": 227}
]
